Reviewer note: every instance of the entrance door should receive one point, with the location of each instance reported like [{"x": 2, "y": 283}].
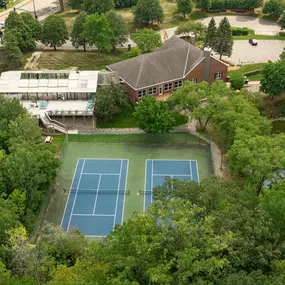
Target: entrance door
[{"x": 160, "y": 91}]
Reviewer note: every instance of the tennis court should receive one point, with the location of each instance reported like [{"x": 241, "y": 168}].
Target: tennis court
[
  {"x": 156, "y": 170},
  {"x": 97, "y": 195}
]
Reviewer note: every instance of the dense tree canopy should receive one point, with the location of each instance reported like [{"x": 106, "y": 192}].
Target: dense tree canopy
[
  {"x": 274, "y": 7},
  {"x": 54, "y": 31},
  {"x": 148, "y": 12},
  {"x": 98, "y": 32},
  {"x": 153, "y": 116},
  {"x": 125, "y": 3},
  {"x": 23, "y": 32},
  {"x": 78, "y": 37},
  {"x": 184, "y": 7},
  {"x": 97, "y": 6},
  {"x": 147, "y": 40},
  {"x": 110, "y": 101}
]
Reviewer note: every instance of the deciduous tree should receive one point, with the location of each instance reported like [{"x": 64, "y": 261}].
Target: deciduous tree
[
  {"x": 273, "y": 7},
  {"x": 148, "y": 12},
  {"x": 98, "y": 32},
  {"x": 236, "y": 79},
  {"x": 119, "y": 28},
  {"x": 147, "y": 39},
  {"x": 191, "y": 27},
  {"x": 78, "y": 37},
  {"x": 273, "y": 78},
  {"x": 153, "y": 115},
  {"x": 97, "y": 6},
  {"x": 257, "y": 158},
  {"x": 184, "y": 7},
  {"x": 110, "y": 101},
  {"x": 125, "y": 3},
  {"x": 54, "y": 31},
  {"x": 224, "y": 40},
  {"x": 281, "y": 20}
]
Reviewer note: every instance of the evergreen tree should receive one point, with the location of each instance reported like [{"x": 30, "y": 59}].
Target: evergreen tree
[
  {"x": 54, "y": 31},
  {"x": 97, "y": 6},
  {"x": 147, "y": 12},
  {"x": 23, "y": 33},
  {"x": 184, "y": 7},
  {"x": 119, "y": 28},
  {"x": 224, "y": 40},
  {"x": 33, "y": 24},
  {"x": 211, "y": 33},
  {"x": 281, "y": 21},
  {"x": 204, "y": 5},
  {"x": 13, "y": 55},
  {"x": 77, "y": 35},
  {"x": 75, "y": 4}
]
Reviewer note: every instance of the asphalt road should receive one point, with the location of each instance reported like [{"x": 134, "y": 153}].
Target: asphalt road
[
  {"x": 260, "y": 26},
  {"x": 43, "y": 8}
]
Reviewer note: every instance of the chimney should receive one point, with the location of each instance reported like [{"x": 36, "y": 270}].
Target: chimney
[{"x": 207, "y": 64}]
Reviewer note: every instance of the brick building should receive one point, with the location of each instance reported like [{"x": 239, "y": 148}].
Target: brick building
[{"x": 165, "y": 69}]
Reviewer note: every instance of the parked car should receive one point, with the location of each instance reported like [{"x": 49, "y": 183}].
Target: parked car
[
  {"x": 2, "y": 25},
  {"x": 253, "y": 42}
]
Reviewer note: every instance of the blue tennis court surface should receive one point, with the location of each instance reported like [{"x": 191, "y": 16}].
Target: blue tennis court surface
[
  {"x": 96, "y": 198},
  {"x": 157, "y": 170}
]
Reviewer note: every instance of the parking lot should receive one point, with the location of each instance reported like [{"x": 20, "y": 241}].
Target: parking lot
[
  {"x": 260, "y": 26},
  {"x": 244, "y": 53}
]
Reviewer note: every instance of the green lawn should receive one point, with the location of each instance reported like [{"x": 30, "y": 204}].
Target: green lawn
[
  {"x": 91, "y": 60},
  {"x": 251, "y": 67},
  {"x": 127, "y": 120}
]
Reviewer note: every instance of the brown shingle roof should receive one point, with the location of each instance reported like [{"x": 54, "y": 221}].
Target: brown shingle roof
[{"x": 172, "y": 61}]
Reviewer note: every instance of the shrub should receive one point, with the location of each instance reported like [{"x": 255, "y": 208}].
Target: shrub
[
  {"x": 282, "y": 34},
  {"x": 134, "y": 52},
  {"x": 236, "y": 79},
  {"x": 236, "y": 31}
]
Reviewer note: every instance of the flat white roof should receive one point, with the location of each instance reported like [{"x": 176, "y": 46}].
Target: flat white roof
[{"x": 76, "y": 81}]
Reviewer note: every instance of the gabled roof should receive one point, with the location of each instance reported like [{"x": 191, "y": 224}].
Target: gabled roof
[{"x": 175, "y": 59}]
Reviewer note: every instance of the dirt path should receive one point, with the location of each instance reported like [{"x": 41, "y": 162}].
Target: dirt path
[{"x": 32, "y": 62}]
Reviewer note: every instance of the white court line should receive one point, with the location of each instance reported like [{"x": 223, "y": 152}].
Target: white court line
[
  {"x": 190, "y": 169},
  {"x": 116, "y": 207},
  {"x": 119, "y": 159},
  {"x": 75, "y": 196},
  {"x": 169, "y": 175},
  {"x": 122, "y": 220},
  {"x": 97, "y": 192},
  {"x": 91, "y": 236},
  {"x": 95, "y": 173},
  {"x": 172, "y": 159},
  {"x": 75, "y": 171},
  {"x": 93, "y": 215},
  {"x": 151, "y": 180},
  {"x": 145, "y": 184}
]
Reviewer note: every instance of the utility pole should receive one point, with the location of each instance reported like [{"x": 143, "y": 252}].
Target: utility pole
[{"x": 35, "y": 9}]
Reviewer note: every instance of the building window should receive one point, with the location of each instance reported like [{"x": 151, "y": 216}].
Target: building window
[
  {"x": 218, "y": 75},
  {"x": 168, "y": 86},
  {"x": 152, "y": 91},
  {"x": 195, "y": 80},
  {"x": 141, "y": 93},
  {"x": 177, "y": 84}
]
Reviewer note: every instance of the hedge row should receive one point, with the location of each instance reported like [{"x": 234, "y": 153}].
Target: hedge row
[
  {"x": 241, "y": 31},
  {"x": 234, "y": 5}
]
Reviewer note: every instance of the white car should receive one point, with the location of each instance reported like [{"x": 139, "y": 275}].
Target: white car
[{"x": 2, "y": 25}]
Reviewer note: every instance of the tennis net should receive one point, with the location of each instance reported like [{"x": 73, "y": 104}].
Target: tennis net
[{"x": 101, "y": 191}]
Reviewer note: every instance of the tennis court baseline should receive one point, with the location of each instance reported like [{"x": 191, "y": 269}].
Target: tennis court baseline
[
  {"x": 156, "y": 170},
  {"x": 96, "y": 197}
]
